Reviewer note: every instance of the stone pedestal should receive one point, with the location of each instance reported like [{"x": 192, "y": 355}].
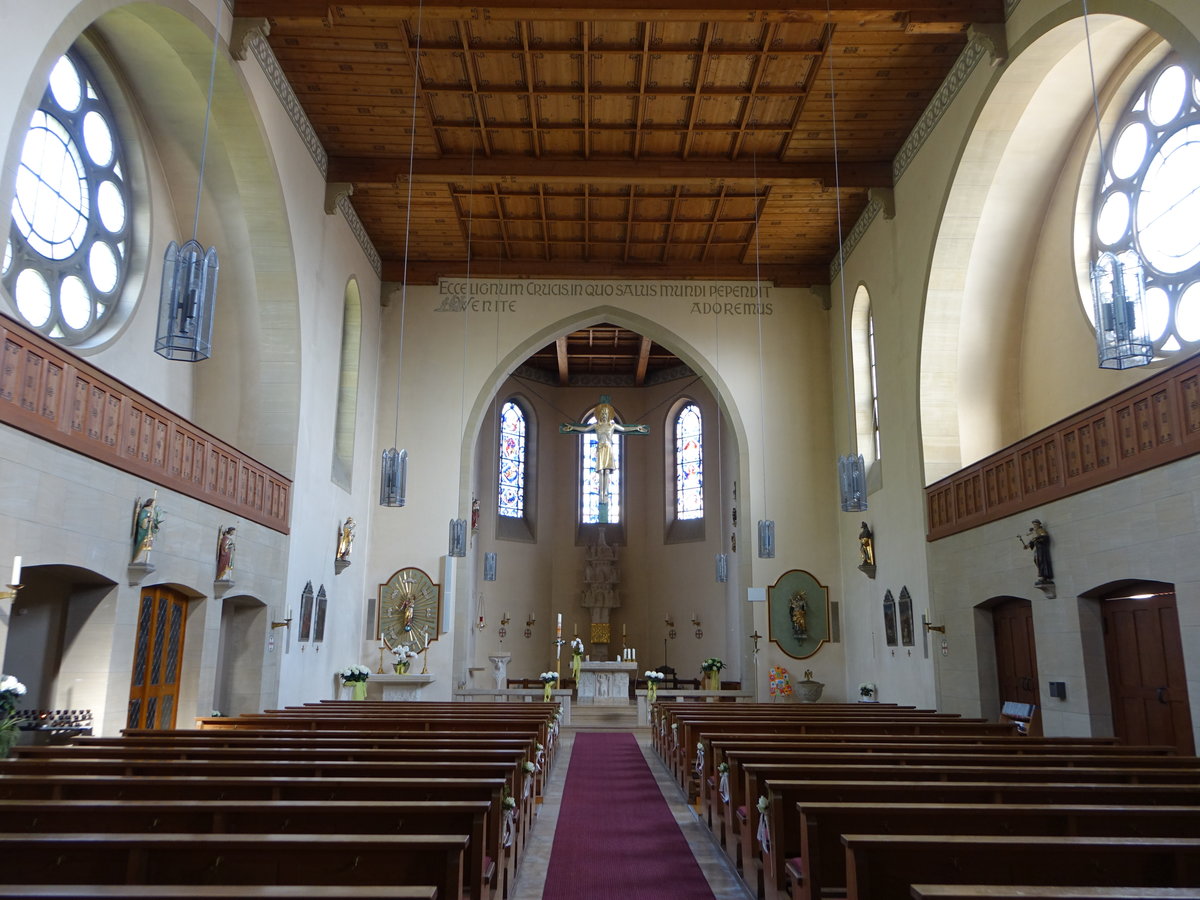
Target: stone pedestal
[{"x": 605, "y": 683}]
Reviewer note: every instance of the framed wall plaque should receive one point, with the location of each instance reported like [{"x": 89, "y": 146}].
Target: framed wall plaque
[{"x": 799, "y": 614}]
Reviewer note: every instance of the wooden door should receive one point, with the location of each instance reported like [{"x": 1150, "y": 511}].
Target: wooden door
[
  {"x": 1016, "y": 656},
  {"x": 1146, "y": 680},
  {"x": 157, "y": 659}
]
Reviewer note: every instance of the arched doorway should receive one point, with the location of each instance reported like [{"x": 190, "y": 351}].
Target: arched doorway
[{"x": 1144, "y": 654}]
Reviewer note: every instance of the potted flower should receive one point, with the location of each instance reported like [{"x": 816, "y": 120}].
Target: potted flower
[
  {"x": 548, "y": 679},
  {"x": 867, "y": 692},
  {"x": 404, "y": 655},
  {"x": 10, "y": 690},
  {"x": 356, "y": 677},
  {"x": 576, "y": 657},
  {"x": 652, "y": 681},
  {"x": 809, "y": 690},
  {"x": 712, "y": 672}
]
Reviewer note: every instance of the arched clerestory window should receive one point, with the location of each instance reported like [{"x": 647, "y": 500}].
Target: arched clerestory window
[
  {"x": 689, "y": 463},
  {"x": 866, "y": 382},
  {"x": 513, "y": 471},
  {"x": 346, "y": 417}
]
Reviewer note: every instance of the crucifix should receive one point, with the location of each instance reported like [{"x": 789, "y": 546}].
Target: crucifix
[{"x": 604, "y": 428}]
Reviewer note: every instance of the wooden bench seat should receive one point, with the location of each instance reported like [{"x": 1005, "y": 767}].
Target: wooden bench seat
[
  {"x": 119, "y": 859},
  {"x": 808, "y": 842},
  {"x": 788, "y": 794},
  {"x": 716, "y": 810},
  {"x": 273, "y": 817},
  {"x": 884, "y": 867},
  {"x": 88, "y": 858}
]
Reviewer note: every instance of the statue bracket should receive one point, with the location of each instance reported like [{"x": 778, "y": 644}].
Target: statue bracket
[
  {"x": 138, "y": 572},
  {"x": 867, "y": 570},
  {"x": 339, "y": 565}
]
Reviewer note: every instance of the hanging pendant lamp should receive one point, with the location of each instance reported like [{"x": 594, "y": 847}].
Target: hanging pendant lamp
[{"x": 188, "y": 296}]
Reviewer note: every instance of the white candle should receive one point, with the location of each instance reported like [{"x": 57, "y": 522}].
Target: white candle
[
  {"x": 558, "y": 627},
  {"x": 16, "y": 575}
]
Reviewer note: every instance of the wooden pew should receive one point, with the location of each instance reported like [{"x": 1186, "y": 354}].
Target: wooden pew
[
  {"x": 266, "y": 817},
  {"x": 240, "y": 859},
  {"x": 758, "y": 777},
  {"x": 819, "y": 865},
  {"x": 732, "y": 751},
  {"x": 884, "y": 867},
  {"x": 271, "y": 789},
  {"x": 789, "y": 795}
]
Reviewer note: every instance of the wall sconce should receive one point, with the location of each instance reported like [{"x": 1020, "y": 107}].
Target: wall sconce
[
  {"x": 489, "y": 567},
  {"x": 503, "y": 629},
  {"x": 458, "y": 537},
  {"x": 15, "y": 584},
  {"x": 670, "y": 620},
  {"x": 940, "y": 629},
  {"x": 529, "y": 623},
  {"x": 286, "y": 623},
  {"x": 766, "y": 538}
]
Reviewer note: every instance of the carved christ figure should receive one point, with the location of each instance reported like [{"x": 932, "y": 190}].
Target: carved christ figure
[{"x": 604, "y": 428}]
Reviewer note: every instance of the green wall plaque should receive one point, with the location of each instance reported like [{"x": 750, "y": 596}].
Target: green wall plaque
[{"x": 798, "y": 613}]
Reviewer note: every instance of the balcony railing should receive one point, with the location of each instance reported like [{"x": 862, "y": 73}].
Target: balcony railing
[{"x": 47, "y": 391}]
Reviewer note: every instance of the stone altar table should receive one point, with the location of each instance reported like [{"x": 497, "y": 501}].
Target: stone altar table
[
  {"x": 396, "y": 687},
  {"x": 605, "y": 683}
]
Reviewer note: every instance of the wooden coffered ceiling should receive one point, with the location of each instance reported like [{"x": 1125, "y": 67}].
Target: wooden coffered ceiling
[{"x": 681, "y": 139}]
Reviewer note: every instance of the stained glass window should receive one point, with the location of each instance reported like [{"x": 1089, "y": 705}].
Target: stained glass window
[
  {"x": 510, "y": 500},
  {"x": 67, "y": 251},
  {"x": 590, "y": 488},
  {"x": 689, "y": 463},
  {"x": 1147, "y": 203}
]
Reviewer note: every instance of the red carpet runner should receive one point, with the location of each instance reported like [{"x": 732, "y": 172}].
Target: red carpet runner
[{"x": 616, "y": 837}]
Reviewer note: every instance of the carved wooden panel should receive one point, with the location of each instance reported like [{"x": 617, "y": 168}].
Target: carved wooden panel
[
  {"x": 1152, "y": 423},
  {"x": 48, "y": 392}
]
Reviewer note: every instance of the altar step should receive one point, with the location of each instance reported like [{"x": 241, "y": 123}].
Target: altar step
[{"x": 604, "y": 718}]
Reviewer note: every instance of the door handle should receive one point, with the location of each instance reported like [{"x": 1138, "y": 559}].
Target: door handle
[{"x": 1162, "y": 695}]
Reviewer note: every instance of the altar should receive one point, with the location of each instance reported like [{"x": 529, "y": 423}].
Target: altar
[
  {"x": 604, "y": 683},
  {"x": 396, "y": 687}
]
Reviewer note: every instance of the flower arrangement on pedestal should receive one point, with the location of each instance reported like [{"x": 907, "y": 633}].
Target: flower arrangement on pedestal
[
  {"x": 867, "y": 692},
  {"x": 548, "y": 679},
  {"x": 712, "y": 672},
  {"x": 576, "y": 656},
  {"x": 404, "y": 655},
  {"x": 652, "y": 680},
  {"x": 356, "y": 676},
  {"x": 10, "y": 690}
]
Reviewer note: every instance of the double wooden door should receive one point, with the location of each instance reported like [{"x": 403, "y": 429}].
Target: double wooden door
[
  {"x": 1146, "y": 680},
  {"x": 157, "y": 659}
]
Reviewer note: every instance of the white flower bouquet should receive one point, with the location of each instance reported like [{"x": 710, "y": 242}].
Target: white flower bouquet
[
  {"x": 652, "y": 680},
  {"x": 576, "y": 657},
  {"x": 10, "y": 690},
  {"x": 548, "y": 679},
  {"x": 712, "y": 672},
  {"x": 351, "y": 674}
]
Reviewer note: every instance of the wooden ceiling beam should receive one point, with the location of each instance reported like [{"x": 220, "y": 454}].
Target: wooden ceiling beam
[
  {"x": 782, "y": 275},
  {"x": 511, "y": 172},
  {"x": 643, "y": 362},
  {"x": 564, "y": 366},
  {"x": 919, "y": 15}
]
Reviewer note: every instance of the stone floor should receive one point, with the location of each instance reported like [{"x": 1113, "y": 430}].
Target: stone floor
[{"x": 722, "y": 879}]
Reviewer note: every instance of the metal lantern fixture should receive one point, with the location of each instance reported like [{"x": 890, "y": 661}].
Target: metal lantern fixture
[
  {"x": 393, "y": 485},
  {"x": 458, "y": 537},
  {"x": 1118, "y": 292},
  {"x": 189, "y": 283},
  {"x": 852, "y": 482},
  {"x": 766, "y": 538}
]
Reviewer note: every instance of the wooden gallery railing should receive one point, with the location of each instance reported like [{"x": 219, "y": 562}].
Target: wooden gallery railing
[
  {"x": 48, "y": 392},
  {"x": 1156, "y": 421}
]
